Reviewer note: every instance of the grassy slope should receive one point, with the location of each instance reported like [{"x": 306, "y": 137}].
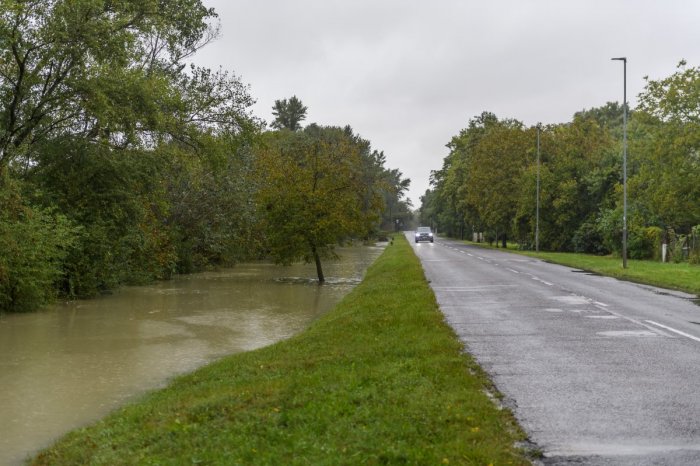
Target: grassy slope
[{"x": 381, "y": 379}]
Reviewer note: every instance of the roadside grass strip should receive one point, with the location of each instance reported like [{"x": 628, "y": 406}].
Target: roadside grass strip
[
  {"x": 381, "y": 379},
  {"x": 681, "y": 277},
  {"x": 676, "y": 276}
]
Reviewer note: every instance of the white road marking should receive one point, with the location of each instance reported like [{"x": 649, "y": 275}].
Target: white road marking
[
  {"x": 578, "y": 300},
  {"x": 628, "y": 333},
  {"x": 574, "y": 300},
  {"x": 441, "y": 260},
  {"x": 469, "y": 288},
  {"x": 671, "y": 329},
  {"x": 542, "y": 281}
]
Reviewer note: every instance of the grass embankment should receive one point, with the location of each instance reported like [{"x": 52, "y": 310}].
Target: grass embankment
[
  {"x": 682, "y": 276},
  {"x": 381, "y": 379}
]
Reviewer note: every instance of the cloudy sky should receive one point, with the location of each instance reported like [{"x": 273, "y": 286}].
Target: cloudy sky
[{"x": 408, "y": 74}]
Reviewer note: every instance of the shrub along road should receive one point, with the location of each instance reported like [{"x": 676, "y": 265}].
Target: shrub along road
[
  {"x": 598, "y": 371},
  {"x": 381, "y": 379}
]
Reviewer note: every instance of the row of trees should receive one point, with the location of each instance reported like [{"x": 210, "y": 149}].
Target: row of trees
[
  {"x": 488, "y": 180},
  {"x": 121, "y": 164}
]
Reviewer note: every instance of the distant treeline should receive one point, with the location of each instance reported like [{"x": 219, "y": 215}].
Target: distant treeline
[
  {"x": 120, "y": 164},
  {"x": 488, "y": 181}
]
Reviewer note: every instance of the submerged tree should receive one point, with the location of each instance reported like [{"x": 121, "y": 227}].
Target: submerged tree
[{"x": 312, "y": 193}]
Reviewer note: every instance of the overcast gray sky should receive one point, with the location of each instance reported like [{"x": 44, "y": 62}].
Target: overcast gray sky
[{"x": 408, "y": 74}]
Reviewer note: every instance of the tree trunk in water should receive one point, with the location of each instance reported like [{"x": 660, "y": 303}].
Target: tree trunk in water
[{"x": 319, "y": 269}]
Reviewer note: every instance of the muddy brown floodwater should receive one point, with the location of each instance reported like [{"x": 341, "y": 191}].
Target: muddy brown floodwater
[{"x": 72, "y": 363}]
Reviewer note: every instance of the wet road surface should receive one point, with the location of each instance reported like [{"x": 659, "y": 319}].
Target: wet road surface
[{"x": 597, "y": 371}]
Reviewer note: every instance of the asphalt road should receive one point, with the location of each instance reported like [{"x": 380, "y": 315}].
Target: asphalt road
[{"x": 597, "y": 371}]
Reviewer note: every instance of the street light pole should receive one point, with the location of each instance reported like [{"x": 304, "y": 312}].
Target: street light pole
[
  {"x": 624, "y": 163},
  {"x": 537, "y": 216}
]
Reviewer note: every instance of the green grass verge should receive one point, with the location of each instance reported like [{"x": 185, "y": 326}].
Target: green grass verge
[
  {"x": 682, "y": 276},
  {"x": 381, "y": 379}
]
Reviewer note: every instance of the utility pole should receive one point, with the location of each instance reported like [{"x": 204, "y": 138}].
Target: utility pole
[
  {"x": 624, "y": 162},
  {"x": 537, "y": 215}
]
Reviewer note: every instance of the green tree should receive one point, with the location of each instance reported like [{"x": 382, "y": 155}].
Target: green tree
[
  {"x": 33, "y": 245},
  {"x": 118, "y": 200},
  {"x": 311, "y": 193},
  {"x": 495, "y": 166},
  {"x": 426, "y": 211},
  {"x": 608, "y": 116},
  {"x": 488, "y": 181},
  {"x": 91, "y": 69},
  {"x": 288, "y": 114},
  {"x": 102, "y": 121},
  {"x": 475, "y": 189},
  {"x": 396, "y": 212},
  {"x": 667, "y": 184},
  {"x": 211, "y": 214},
  {"x": 373, "y": 180},
  {"x": 581, "y": 170}
]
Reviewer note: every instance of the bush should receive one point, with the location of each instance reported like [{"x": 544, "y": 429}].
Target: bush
[
  {"x": 694, "y": 251},
  {"x": 609, "y": 225},
  {"x": 33, "y": 245},
  {"x": 678, "y": 249},
  {"x": 115, "y": 198},
  {"x": 589, "y": 239},
  {"x": 644, "y": 243}
]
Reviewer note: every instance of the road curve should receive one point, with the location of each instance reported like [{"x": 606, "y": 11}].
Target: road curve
[{"x": 598, "y": 371}]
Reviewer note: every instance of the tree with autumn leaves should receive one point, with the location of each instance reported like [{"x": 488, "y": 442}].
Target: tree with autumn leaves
[{"x": 317, "y": 188}]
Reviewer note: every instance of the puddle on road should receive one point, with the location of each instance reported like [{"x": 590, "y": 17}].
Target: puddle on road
[{"x": 573, "y": 300}]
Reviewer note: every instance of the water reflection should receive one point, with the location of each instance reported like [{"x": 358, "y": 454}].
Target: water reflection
[{"x": 74, "y": 362}]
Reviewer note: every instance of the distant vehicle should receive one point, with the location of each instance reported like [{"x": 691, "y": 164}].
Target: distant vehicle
[{"x": 424, "y": 234}]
